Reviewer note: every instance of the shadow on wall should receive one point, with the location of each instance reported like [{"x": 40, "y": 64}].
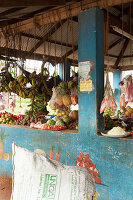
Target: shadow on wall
[{"x": 5, "y": 188}]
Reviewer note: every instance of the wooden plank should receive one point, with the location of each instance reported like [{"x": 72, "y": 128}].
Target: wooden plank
[
  {"x": 27, "y": 3},
  {"x": 121, "y": 53},
  {"x": 59, "y": 14}
]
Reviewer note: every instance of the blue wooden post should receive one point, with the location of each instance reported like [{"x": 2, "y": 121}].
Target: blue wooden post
[
  {"x": 64, "y": 70},
  {"x": 67, "y": 65},
  {"x": 91, "y": 48},
  {"x": 116, "y": 80},
  {"x": 61, "y": 71}
]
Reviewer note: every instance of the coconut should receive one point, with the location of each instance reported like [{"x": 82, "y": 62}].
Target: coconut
[
  {"x": 66, "y": 100},
  {"x": 74, "y": 115}
]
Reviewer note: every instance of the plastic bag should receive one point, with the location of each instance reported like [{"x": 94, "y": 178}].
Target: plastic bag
[
  {"x": 53, "y": 100},
  {"x": 123, "y": 101},
  {"x": 36, "y": 177},
  {"x": 128, "y": 83},
  {"x": 109, "y": 99}
]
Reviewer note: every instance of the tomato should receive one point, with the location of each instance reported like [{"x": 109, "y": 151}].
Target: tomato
[
  {"x": 131, "y": 133},
  {"x": 97, "y": 180}
]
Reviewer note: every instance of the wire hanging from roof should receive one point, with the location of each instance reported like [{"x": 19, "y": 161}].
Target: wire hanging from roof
[
  {"x": 65, "y": 63},
  {"x": 130, "y": 24}
]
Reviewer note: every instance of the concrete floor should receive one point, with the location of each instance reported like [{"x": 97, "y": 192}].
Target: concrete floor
[{"x": 5, "y": 188}]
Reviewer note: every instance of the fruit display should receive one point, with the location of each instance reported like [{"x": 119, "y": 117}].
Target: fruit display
[
  {"x": 108, "y": 122},
  {"x": 128, "y": 112},
  {"x": 27, "y": 120},
  {"x": 36, "y": 87},
  {"x": 51, "y": 122},
  {"x": 65, "y": 95},
  {"x": 7, "y": 118},
  {"x": 59, "y": 122},
  {"x": 67, "y": 100},
  {"x": 73, "y": 125},
  {"x": 108, "y": 111},
  {"x": 51, "y": 125}
]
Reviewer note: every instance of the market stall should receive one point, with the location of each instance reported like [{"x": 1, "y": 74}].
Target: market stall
[{"x": 72, "y": 137}]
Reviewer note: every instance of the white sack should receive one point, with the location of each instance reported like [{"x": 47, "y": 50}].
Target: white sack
[{"x": 36, "y": 177}]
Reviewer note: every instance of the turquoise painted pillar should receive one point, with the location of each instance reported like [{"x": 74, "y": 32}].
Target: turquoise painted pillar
[
  {"x": 91, "y": 48},
  {"x": 61, "y": 71},
  {"x": 67, "y": 65},
  {"x": 116, "y": 86},
  {"x": 64, "y": 71}
]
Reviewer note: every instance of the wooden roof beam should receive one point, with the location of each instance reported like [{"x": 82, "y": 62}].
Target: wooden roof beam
[
  {"x": 50, "y": 32},
  {"x": 48, "y": 40},
  {"x": 67, "y": 54},
  {"x": 56, "y": 15},
  {"x": 29, "y": 3},
  {"x": 115, "y": 43},
  {"x": 9, "y": 11},
  {"x": 25, "y": 55},
  {"x": 121, "y": 53},
  {"x": 125, "y": 68}
]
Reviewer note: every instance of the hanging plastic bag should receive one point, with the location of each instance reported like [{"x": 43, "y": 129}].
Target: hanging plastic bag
[
  {"x": 123, "y": 101},
  {"x": 128, "y": 83},
  {"x": 109, "y": 99},
  {"x": 53, "y": 100}
]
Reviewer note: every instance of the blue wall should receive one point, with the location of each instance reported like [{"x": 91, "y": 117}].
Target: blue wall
[{"x": 113, "y": 157}]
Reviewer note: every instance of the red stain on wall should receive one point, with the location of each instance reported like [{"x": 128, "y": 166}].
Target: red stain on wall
[
  {"x": 84, "y": 160},
  {"x": 5, "y": 188}
]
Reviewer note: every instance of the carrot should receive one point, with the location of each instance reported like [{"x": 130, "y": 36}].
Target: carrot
[
  {"x": 57, "y": 157},
  {"x": 51, "y": 154},
  {"x": 81, "y": 155}
]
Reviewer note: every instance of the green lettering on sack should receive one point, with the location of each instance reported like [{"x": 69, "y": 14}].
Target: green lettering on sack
[{"x": 49, "y": 188}]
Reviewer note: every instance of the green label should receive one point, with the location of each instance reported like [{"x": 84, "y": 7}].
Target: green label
[{"x": 47, "y": 187}]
